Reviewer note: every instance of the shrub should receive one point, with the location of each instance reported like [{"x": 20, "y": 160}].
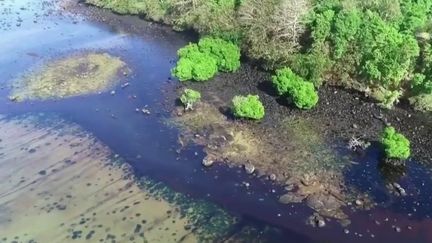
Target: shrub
[
  {"x": 194, "y": 64},
  {"x": 226, "y": 53},
  {"x": 285, "y": 80},
  {"x": 189, "y": 97},
  {"x": 248, "y": 107},
  {"x": 396, "y": 145},
  {"x": 304, "y": 95},
  {"x": 422, "y": 102},
  {"x": 420, "y": 84},
  {"x": 202, "y": 61},
  {"x": 301, "y": 92}
]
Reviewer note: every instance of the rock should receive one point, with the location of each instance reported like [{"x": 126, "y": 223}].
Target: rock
[
  {"x": 308, "y": 179},
  {"x": 207, "y": 161},
  {"x": 290, "y": 198},
  {"x": 358, "y": 202},
  {"x": 316, "y": 221},
  {"x": 272, "y": 177},
  {"x": 145, "y": 111},
  {"x": 249, "y": 168},
  {"x": 13, "y": 98},
  {"x": 113, "y": 92},
  {"x": 289, "y": 187},
  {"x": 321, "y": 223},
  {"x": 125, "y": 85},
  {"x": 399, "y": 189},
  {"x": 326, "y": 205},
  {"x": 355, "y": 126},
  {"x": 344, "y": 222},
  {"x": 346, "y": 231},
  {"x": 397, "y": 229}
]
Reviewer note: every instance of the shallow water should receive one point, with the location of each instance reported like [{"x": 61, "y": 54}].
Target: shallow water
[{"x": 33, "y": 32}]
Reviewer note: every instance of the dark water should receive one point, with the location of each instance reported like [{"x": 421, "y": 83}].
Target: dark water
[{"x": 31, "y": 34}]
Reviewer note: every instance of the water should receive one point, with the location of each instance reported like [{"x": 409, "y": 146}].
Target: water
[{"x": 32, "y": 33}]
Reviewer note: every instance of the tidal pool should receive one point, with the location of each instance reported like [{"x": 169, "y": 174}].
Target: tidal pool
[{"x": 70, "y": 156}]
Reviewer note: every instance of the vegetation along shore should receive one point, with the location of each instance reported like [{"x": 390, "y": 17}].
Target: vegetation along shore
[{"x": 270, "y": 84}]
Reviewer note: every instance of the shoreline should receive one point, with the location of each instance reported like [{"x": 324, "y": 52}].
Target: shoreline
[
  {"x": 339, "y": 109},
  {"x": 334, "y": 100}
]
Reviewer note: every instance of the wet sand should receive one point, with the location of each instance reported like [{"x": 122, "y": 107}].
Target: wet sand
[{"x": 58, "y": 184}]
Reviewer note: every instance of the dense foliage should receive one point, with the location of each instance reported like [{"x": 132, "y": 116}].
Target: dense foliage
[
  {"x": 190, "y": 97},
  {"x": 248, "y": 106},
  {"x": 365, "y": 45},
  {"x": 202, "y": 61},
  {"x": 396, "y": 145},
  {"x": 301, "y": 92},
  {"x": 194, "y": 64}
]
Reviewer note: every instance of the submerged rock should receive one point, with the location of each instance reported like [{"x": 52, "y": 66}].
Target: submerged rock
[
  {"x": 208, "y": 161},
  {"x": 290, "y": 198},
  {"x": 249, "y": 168},
  {"x": 316, "y": 220}
]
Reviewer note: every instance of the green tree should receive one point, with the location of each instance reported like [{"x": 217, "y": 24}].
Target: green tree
[{"x": 387, "y": 54}]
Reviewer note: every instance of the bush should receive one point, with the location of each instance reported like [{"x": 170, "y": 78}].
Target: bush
[
  {"x": 189, "y": 97},
  {"x": 304, "y": 95},
  {"x": 420, "y": 84},
  {"x": 285, "y": 80},
  {"x": 301, "y": 92},
  {"x": 396, "y": 145},
  {"x": 202, "y": 61},
  {"x": 226, "y": 53},
  {"x": 194, "y": 64},
  {"x": 248, "y": 107},
  {"x": 422, "y": 102}
]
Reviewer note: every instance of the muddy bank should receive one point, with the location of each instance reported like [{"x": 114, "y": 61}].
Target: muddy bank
[
  {"x": 306, "y": 151},
  {"x": 341, "y": 114}
]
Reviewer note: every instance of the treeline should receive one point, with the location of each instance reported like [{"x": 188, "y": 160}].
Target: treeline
[{"x": 381, "y": 47}]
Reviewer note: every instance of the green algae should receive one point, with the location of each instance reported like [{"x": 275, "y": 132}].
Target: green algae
[{"x": 71, "y": 76}]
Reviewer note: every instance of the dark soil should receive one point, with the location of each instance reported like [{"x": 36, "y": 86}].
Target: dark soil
[{"x": 344, "y": 113}]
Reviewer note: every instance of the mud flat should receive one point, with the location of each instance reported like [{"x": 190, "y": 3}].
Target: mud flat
[
  {"x": 59, "y": 184},
  {"x": 80, "y": 74}
]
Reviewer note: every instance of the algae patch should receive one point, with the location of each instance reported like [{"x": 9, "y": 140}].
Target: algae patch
[{"x": 71, "y": 76}]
